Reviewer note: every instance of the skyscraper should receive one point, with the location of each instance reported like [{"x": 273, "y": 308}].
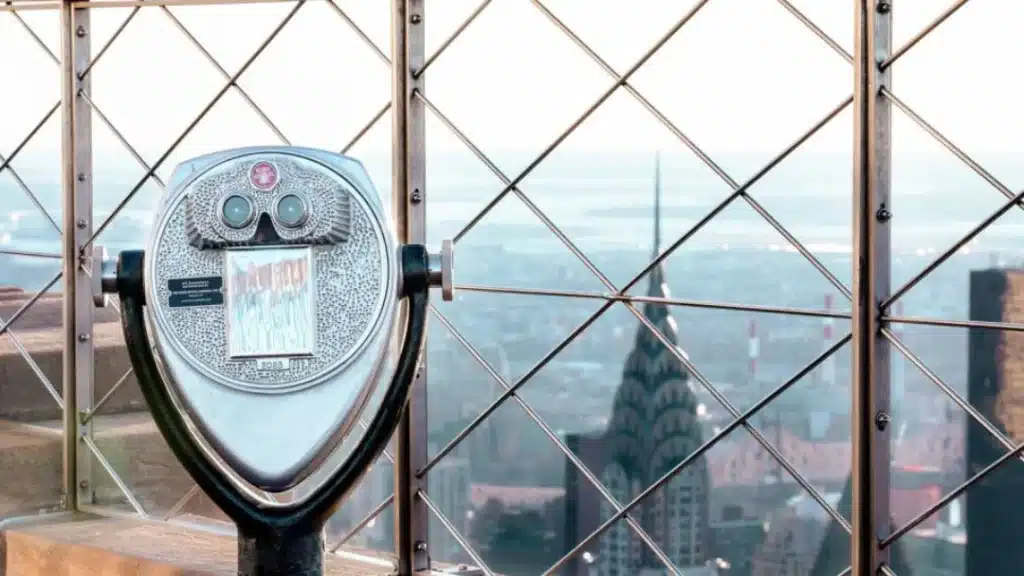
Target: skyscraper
[
  {"x": 996, "y": 390},
  {"x": 652, "y": 428},
  {"x": 834, "y": 554},
  {"x": 448, "y": 486}
]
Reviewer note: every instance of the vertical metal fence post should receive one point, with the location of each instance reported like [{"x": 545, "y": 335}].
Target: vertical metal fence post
[
  {"x": 872, "y": 214},
  {"x": 69, "y": 252},
  {"x": 84, "y": 307},
  {"x": 408, "y": 166}
]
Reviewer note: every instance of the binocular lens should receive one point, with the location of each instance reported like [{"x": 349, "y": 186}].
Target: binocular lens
[
  {"x": 291, "y": 210},
  {"x": 237, "y": 211}
]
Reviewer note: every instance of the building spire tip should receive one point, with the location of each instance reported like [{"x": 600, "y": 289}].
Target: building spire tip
[{"x": 657, "y": 202}]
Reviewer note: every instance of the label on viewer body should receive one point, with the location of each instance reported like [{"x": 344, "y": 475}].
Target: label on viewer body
[{"x": 200, "y": 291}]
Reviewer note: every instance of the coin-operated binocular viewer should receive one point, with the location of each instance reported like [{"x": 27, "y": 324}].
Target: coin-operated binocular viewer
[{"x": 259, "y": 322}]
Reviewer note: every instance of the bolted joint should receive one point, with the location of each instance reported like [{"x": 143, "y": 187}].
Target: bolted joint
[
  {"x": 883, "y": 214},
  {"x": 416, "y": 18},
  {"x": 83, "y": 337},
  {"x": 882, "y": 421},
  {"x": 416, "y": 197},
  {"x": 421, "y": 546},
  {"x": 883, "y": 7},
  {"x": 81, "y": 32}
]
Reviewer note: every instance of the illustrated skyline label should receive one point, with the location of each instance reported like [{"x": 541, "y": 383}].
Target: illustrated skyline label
[{"x": 270, "y": 302}]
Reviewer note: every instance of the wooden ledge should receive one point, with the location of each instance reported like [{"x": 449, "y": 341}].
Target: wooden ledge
[{"x": 122, "y": 547}]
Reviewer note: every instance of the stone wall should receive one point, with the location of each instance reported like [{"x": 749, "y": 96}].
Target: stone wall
[{"x": 23, "y": 397}]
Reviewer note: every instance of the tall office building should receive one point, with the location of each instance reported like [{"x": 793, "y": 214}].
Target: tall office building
[
  {"x": 652, "y": 428},
  {"x": 449, "y": 488},
  {"x": 995, "y": 366},
  {"x": 834, "y": 554}
]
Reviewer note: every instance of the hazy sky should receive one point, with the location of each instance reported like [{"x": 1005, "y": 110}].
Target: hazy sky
[{"x": 742, "y": 75}]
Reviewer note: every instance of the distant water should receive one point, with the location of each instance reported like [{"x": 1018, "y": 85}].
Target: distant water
[{"x": 604, "y": 204}]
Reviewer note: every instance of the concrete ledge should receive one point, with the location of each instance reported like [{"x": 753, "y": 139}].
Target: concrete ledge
[
  {"x": 134, "y": 447},
  {"x": 22, "y": 395},
  {"x": 31, "y": 456},
  {"x": 39, "y": 330},
  {"x": 116, "y": 547},
  {"x": 30, "y": 468}
]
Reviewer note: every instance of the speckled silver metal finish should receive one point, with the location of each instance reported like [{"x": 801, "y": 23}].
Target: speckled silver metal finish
[{"x": 274, "y": 427}]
